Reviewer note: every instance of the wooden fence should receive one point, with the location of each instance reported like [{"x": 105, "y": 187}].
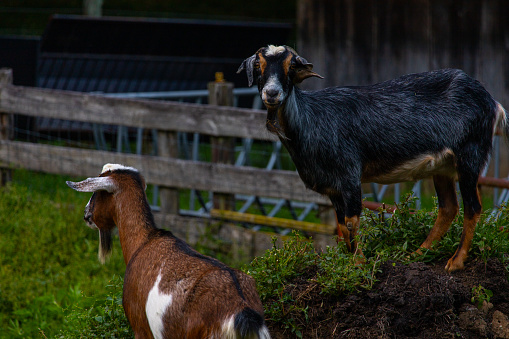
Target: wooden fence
[
  {"x": 170, "y": 174},
  {"x": 360, "y": 42},
  {"x": 164, "y": 169}
]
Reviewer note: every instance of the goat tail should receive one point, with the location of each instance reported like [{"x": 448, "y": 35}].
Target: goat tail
[
  {"x": 501, "y": 121},
  {"x": 247, "y": 324}
]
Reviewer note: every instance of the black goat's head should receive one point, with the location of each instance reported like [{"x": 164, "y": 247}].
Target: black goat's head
[{"x": 276, "y": 70}]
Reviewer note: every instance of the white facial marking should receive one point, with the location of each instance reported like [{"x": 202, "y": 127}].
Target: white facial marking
[
  {"x": 274, "y": 50},
  {"x": 113, "y": 167},
  {"x": 157, "y": 304},
  {"x": 273, "y": 84}
]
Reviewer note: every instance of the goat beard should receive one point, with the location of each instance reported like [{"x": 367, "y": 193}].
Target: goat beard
[
  {"x": 272, "y": 124},
  {"x": 104, "y": 245},
  {"x": 274, "y": 127}
]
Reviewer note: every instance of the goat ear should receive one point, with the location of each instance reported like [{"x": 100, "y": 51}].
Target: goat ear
[
  {"x": 248, "y": 65},
  {"x": 93, "y": 185},
  {"x": 303, "y": 70}
]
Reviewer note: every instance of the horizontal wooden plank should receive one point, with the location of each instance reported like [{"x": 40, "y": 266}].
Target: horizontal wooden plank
[
  {"x": 174, "y": 173},
  {"x": 167, "y": 172},
  {"x": 161, "y": 115},
  {"x": 272, "y": 221},
  {"x": 240, "y": 241}
]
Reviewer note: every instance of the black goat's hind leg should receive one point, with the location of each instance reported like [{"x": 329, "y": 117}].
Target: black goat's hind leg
[
  {"x": 472, "y": 207},
  {"x": 447, "y": 210}
]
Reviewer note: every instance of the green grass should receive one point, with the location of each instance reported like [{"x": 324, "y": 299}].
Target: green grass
[{"x": 48, "y": 256}]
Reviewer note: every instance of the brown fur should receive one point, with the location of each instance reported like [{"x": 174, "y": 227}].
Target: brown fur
[
  {"x": 447, "y": 210},
  {"x": 205, "y": 293},
  {"x": 287, "y": 63},
  {"x": 263, "y": 63}
]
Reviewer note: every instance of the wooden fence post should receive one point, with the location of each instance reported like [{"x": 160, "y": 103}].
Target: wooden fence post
[
  {"x": 6, "y": 123},
  {"x": 223, "y": 148},
  {"x": 167, "y": 146}
]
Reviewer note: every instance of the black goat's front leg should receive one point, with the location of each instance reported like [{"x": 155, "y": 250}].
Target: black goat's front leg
[
  {"x": 348, "y": 206},
  {"x": 339, "y": 207}
]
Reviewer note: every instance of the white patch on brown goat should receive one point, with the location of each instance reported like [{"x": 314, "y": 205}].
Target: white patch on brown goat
[{"x": 156, "y": 306}]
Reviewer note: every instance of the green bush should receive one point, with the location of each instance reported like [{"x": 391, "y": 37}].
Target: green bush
[
  {"x": 105, "y": 318},
  {"x": 274, "y": 272}
]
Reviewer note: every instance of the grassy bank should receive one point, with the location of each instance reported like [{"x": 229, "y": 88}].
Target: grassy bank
[{"x": 52, "y": 285}]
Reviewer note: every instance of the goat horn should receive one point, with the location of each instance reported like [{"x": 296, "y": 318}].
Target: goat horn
[{"x": 93, "y": 185}]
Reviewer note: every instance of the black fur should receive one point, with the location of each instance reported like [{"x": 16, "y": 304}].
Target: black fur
[
  {"x": 339, "y": 137},
  {"x": 341, "y": 131},
  {"x": 247, "y": 322}
]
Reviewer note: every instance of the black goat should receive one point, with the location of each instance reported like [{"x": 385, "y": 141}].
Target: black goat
[{"x": 438, "y": 124}]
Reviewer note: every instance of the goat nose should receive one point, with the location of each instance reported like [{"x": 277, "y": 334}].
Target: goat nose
[
  {"x": 272, "y": 94},
  {"x": 87, "y": 217}
]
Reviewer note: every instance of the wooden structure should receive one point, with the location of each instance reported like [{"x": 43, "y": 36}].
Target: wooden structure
[
  {"x": 358, "y": 42},
  {"x": 164, "y": 170}
]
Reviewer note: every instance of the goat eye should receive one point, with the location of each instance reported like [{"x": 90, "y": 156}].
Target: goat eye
[
  {"x": 256, "y": 65},
  {"x": 293, "y": 66}
]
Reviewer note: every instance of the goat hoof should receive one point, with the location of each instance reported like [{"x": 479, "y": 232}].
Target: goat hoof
[{"x": 454, "y": 265}]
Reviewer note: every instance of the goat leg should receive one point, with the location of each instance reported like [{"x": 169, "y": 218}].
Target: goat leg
[
  {"x": 447, "y": 210},
  {"x": 472, "y": 207}
]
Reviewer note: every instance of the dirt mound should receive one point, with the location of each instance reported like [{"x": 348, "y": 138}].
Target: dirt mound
[{"x": 409, "y": 301}]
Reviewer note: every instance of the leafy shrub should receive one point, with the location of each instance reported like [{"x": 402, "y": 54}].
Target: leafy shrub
[
  {"x": 340, "y": 274},
  {"x": 105, "y": 318},
  {"x": 334, "y": 271},
  {"x": 480, "y": 295}
]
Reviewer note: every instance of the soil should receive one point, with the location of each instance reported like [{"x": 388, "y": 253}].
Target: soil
[{"x": 417, "y": 300}]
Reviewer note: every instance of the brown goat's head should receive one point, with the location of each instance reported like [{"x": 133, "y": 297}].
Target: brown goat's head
[
  {"x": 276, "y": 70},
  {"x": 101, "y": 208}
]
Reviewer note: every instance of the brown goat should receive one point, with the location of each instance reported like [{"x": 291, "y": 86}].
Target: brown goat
[{"x": 170, "y": 290}]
